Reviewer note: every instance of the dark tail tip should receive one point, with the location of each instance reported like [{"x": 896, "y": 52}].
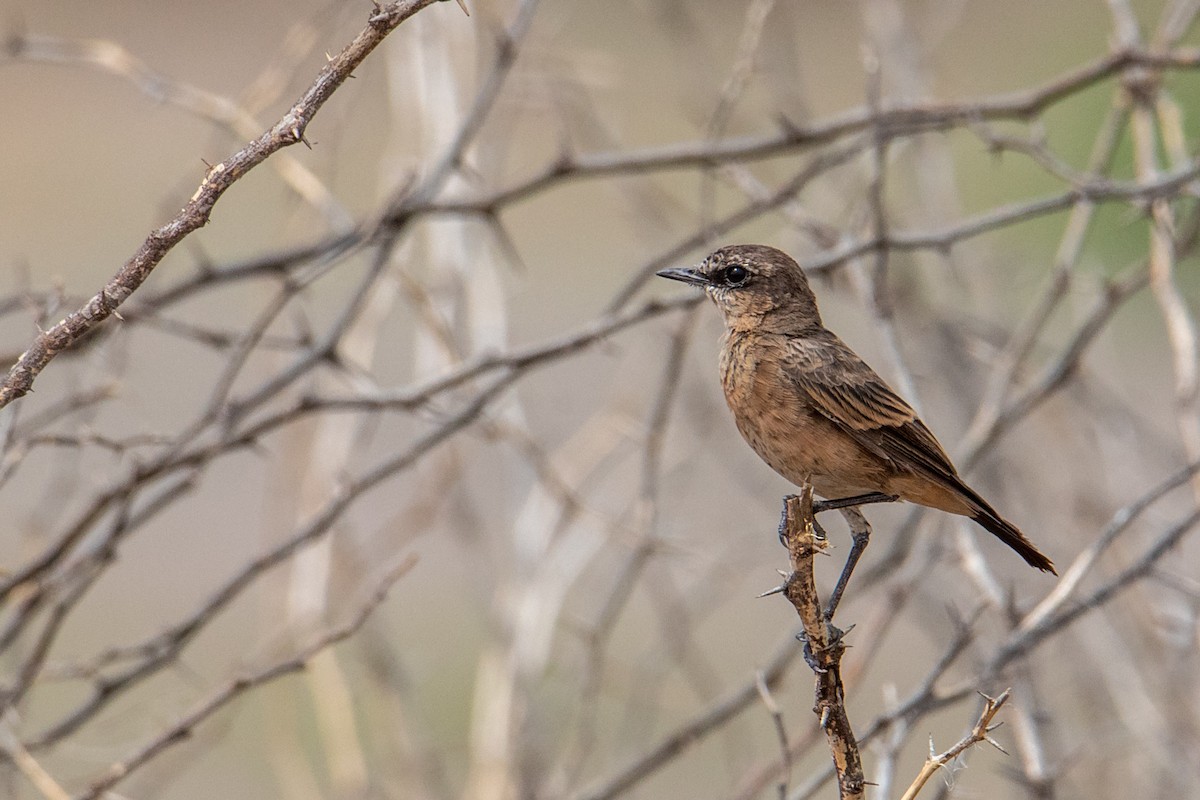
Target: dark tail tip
[{"x": 1008, "y": 533}]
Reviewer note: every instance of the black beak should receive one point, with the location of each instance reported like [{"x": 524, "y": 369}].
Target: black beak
[{"x": 689, "y": 276}]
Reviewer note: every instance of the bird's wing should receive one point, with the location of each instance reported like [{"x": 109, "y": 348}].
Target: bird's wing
[{"x": 847, "y": 391}]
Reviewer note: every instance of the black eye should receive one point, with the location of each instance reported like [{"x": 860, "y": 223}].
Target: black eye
[{"x": 736, "y": 276}]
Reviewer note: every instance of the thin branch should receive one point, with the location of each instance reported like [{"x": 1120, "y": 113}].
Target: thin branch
[
  {"x": 226, "y": 112},
  {"x": 981, "y": 732},
  {"x": 287, "y": 131},
  {"x": 34, "y": 772},
  {"x": 695, "y": 729},
  {"x": 898, "y": 121},
  {"x": 785, "y": 750},
  {"x": 163, "y": 648},
  {"x": 182, "y": 728}
]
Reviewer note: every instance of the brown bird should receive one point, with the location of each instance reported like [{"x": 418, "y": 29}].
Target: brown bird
[{"x": 815, "y": 411}]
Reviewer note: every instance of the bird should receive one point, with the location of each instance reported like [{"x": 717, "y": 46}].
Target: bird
[{"x": 814, "y": 411}]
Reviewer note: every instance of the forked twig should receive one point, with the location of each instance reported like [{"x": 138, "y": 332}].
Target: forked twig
[{"x": 981, "y": 732}]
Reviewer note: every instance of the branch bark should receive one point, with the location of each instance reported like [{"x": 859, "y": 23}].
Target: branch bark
[{"x": 823, "y": 646}]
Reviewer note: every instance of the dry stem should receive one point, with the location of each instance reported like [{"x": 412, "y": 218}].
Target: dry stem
[{"x": 979, "y": 733}]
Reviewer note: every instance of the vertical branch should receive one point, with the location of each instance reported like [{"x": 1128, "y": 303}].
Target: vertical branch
[
  {"x": 734, "y": 87},
  {"x": 1145, "y": 91},
  {"x": 328, "y": 451},
  {"x": 823, "y": 642}
]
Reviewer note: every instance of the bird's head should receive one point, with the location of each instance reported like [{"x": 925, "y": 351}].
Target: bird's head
[{"x": 755, "y": 286}]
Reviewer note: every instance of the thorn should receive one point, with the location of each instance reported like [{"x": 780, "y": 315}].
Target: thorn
[
  {"x": 993, "y": 743},
  {"x": 777, "y": 590},
  {"x": 932, "y": 751},
  {"x": 463, "y": 5},
  {"x": 117, "y": 314}
]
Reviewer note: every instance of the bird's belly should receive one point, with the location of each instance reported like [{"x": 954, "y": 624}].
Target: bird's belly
[
  {"x": 801, "y": 447},
  {"x": 798, "y": 442}
]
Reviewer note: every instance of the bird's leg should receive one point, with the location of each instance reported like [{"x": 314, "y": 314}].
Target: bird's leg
[
  {"x": 857, "y": 500},
  {"x": 860, "y": 531}
]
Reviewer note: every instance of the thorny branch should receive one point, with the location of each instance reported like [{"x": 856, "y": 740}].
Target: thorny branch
[
  {"x": 823, "y": 643},
  {"x": 980, "y": 732},
  {"x": 287, "y": 131}
]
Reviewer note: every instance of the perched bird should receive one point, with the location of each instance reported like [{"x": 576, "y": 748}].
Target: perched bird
[{"x": 812, "y": 409}]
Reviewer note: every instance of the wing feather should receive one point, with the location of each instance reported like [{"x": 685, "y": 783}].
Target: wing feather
[{"x": 850, "y": 394}]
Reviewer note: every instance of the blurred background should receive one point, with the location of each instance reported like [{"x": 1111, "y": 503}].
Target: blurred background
[{"x": 427, "y": 356}]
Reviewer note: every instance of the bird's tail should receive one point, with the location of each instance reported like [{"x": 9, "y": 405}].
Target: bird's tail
[{"x": 1008, "y": 533}]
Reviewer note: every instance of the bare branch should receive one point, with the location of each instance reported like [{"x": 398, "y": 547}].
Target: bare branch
[
  {"x": 287, "y": 131},
  {"x": 225, "y": 695},
  {"x": 981, "y": 732}
]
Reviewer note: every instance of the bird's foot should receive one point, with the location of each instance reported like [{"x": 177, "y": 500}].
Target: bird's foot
[
  {"x": 807, "y": 652},
  {"x": 834, "y": 635}
]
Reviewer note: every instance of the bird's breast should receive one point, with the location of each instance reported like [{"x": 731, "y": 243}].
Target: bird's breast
[{"x": 779, "y": 421}]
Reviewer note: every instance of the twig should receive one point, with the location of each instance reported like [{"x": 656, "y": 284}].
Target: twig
[
  {"x": 980, "y": 733},
  {"x": 773, "y": 709},
  {"x": 287, "y": 131},
  {"x": 29, "y": 766},
  {"x": 695, "y": 729},
  {"x": 225, "y": 112},
  {"x": 180, "y": 730},
  {"x": 905, "y": 120},
  {"x": 1084, "y": 563},
  {"x": 160, "y": 650}
]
